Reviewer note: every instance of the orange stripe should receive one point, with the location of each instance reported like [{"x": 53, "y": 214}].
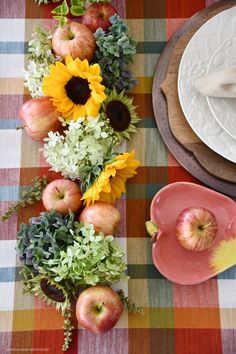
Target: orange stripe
[
  {"x": 140, "y": 208},
  {"x": 197, "y": 318},
  {"x": 144, "y": 85},
  {"x": 143, "y": 103}
]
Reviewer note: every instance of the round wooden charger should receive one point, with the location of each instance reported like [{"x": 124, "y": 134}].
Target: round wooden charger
[{"x": 203, "y": 163}]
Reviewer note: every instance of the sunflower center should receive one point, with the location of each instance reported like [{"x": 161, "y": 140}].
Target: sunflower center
[
  {"x": 119, "y": 115},
  {"x": 77, "y": 89}
]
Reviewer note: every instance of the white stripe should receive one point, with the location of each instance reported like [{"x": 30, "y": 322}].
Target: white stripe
[
  {"x": 7, "y": 296},
  {"x": 227, "y": 293},
  {"x": 7, "y": 253},
  {"x": 10, "y": 148},
  {"x": 12, "y": 65},
  {"x": 12, "y": 30}
]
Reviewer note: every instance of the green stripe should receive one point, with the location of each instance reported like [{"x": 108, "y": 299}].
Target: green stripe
[
  {"x": 150, "y": 47},
  {"x": 144, "y": 271},
  {"x": 155, "y": 150},
  {"x": 143, "y": 191},
  {"x": 147, "y": 123}
]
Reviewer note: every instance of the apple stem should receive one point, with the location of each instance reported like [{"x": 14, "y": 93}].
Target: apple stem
[
  {"x": 20, "y": 127},
  {"x": 202, "y": 227},
  {"x": 60, "y": 194}
]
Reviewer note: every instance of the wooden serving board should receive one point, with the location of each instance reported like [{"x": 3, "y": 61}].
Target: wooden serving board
[{"x": 203, "y": 163}]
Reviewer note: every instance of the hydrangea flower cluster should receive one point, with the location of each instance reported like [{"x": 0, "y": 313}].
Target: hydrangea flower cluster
[
  {"x": 114, "y": 53},
  {"x": 40, "y": 57},
  {"x": 81, "y": 152}
]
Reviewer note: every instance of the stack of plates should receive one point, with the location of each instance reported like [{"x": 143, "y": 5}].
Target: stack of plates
[
  {"x": 212, "y": 48},
  {"x": 199, "y": 131}
]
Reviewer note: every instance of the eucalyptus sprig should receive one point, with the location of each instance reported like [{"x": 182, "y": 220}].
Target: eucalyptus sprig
[
  {"x": 130, "y": 306},
  {"x": 29, "y": 197}
]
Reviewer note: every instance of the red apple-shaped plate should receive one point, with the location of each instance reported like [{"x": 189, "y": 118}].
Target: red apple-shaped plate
[{"x": 177, "y": 263}]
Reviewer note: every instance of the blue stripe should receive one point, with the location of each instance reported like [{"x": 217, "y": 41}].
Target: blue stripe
[
  {"x": 135, "y": 271},
  {"x": 13, "y": 47},
  {"x": 22, "y": 47},
  {"x": 228, "y": 274},
  {"x": 10, "y": 123},
  {"x": 9, "y": 193},
  {"x": 7, "y": 275}
]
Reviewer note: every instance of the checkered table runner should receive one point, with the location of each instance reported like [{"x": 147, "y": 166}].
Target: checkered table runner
[{"x": 198, "y": 319}]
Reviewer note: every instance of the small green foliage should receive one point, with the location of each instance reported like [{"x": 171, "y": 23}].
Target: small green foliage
[
  {"x": 61, "y": 11},
  {"x": 115, "y": 51},
  {"x": 76, "y": 8},
  {"x": 29, "y": 197},
  {"x": 130, "y": 306},
  {"x": 68, "y": 330}
]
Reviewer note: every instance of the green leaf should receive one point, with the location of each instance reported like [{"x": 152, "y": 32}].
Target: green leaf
[
  {"x": 57, "y": 10},
  {"x": 76, "y": 3},
  {"x": 62, "y": 9},
  {"x": 62, "y": 20},
  {"x": 65, "y": 8},
  {"x": 77, "y": 10}
]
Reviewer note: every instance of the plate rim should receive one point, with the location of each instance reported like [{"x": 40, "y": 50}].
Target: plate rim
[
  {"x": 185, "y": 157},
  {"x": 181, "y": 100}
]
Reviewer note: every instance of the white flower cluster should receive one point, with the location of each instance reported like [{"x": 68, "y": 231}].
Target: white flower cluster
[
  {"x": 81, "y": 151},
  {"x": 40, "y": 57},
  {"x": 33, "y": 77}
]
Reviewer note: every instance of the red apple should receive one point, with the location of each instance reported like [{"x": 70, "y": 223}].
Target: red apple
[
  {"x": 98, "y": 309},
  {"x": 74, "y": 39},
  {"x": 105, "y": 217},
  {"x": 62, "y": 195},
  {"x": 196, "y": 228},
  {"x": 97, "y": 15},
  {"x": 39, "y": 117}
]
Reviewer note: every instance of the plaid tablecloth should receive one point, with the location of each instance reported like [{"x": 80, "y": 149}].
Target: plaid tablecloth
[{"x": 198, "y": 319}]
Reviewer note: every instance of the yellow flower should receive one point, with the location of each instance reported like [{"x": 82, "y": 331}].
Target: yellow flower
[
  {"x": 111, "y": 182},
  {"x": 75, "y": 88},
  {"x": 224, "y": 255}
]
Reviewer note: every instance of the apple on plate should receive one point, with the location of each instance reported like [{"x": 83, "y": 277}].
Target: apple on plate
[
  {"x": 62, "y": 195},
  {"x": 98, "y": 309},
  {"x": 97, "y": 15},
  {"x": 74, "y": 39},
  {"x": 196, "y": 228},
  {"x": 105, "y": 217}
]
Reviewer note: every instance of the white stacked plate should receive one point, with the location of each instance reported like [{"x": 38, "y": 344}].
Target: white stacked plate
[{"x": 212, "y": 48}]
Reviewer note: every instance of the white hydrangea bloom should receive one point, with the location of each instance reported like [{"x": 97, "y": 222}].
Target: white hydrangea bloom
[{"x": 80, "y": 151}]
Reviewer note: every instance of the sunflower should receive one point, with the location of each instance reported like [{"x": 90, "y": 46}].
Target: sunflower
[
  {"x": 120, "y": 116},
  {"x": 47, "y": 289},
  {"x": 75, "y": 88},
  {"x": 111, "y": 182}
]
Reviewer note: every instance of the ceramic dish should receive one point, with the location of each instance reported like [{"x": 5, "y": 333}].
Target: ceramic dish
[
  {"x": 224, "y": 109},
  {"x": 194, "y": 64},
  {"x": 172, "y": 260}
]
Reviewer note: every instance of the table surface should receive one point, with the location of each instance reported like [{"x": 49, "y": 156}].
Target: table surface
[{"x": 199, "y": 319}]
